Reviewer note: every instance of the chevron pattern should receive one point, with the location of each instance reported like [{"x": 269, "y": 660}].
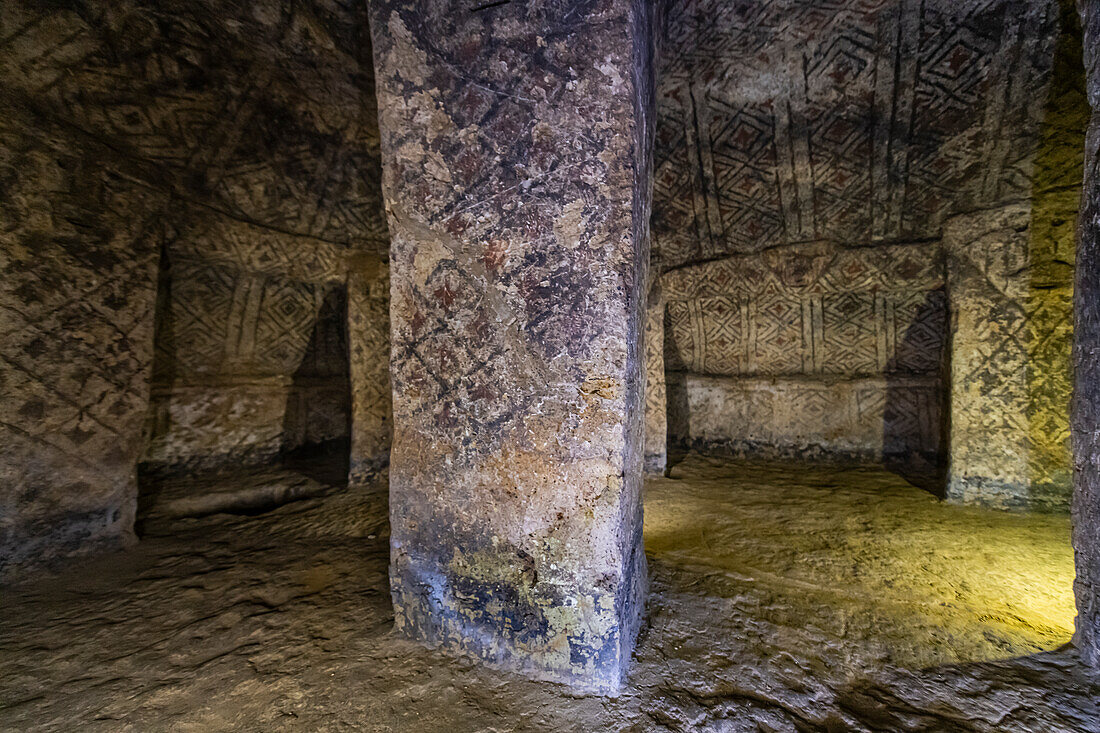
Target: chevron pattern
[
  {"x": 855, "y": 312},
  {"x": 850, "y": 120},
  {"x": 848, "y": 333},
  {"x": 226, "y": 113},
  {"x": 192, "y": 332}
]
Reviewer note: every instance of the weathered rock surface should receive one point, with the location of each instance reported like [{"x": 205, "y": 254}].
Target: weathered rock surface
[
  {"x": 809, "y": 350},
  {"x": 988, "y": 271},
  {"x": 77, "y": 287},
  {"x": 252, "y": 351},
  {"x": 782, "y": 599},
  {"x": 1086, "y": 360},
  {"x": 249, "y": 491},
  {"x": 515, "y": 146},
  {"x": 656, "y": 396}
]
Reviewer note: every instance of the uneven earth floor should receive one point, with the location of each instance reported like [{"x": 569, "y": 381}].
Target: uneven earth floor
[{"x": 782, "y": 599}]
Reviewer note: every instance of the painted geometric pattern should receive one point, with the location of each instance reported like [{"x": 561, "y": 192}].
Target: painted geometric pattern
[
  {"x": 812, "y": 269},
  {"x": 848, "y": 333},
  {"x": 850, "y": 120},
  {"x": 867, "y": 311},
  {"x": 256, "y": 249},
  {"x": 369, "y": 351},
  {"x": 721, "y": 335},
  {"x": 221, "y": 319},
  {"x": 679, "y": 337},
  {"x": 919, "y": 326},
  {"x": 253, "y": 144},
  {"x": 368, "y": 315},
  {"x": 656, "y": 396},
  {"x": 911, "y": 420},
  {"x": 776, "y": 323},
  {"x": 776, "y": 334},
  {"x": 909, "y": 414},
  {"x": 326, "y": 355},
  {"x": 227, "y": 114},
  {"x": 873, "y": 418},
  {"x": 286, "y": 320},
  {"x": 76, "y": 350},
  {"x": 77, "y": 286},
  {"x": 191, "y": 335},
  {"x": 1050, "y": 384},
  {"x": 1010, "y": 366}
]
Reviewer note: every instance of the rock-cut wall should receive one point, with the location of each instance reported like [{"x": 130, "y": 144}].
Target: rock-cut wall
[
  {"x": 809, "y": 351},
  {"x": 251, "y": 348},
  {"x": 798, "y": 148},
  {"x": 234, "y": 150}
]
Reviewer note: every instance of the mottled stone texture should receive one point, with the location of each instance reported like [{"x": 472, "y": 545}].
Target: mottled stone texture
[
  {"x": 77, "y": 285},
  {"x": 239, "y": 143},
  {"x": 1055, "y": 200},
  {"x": 1086, "y": 358},
  {"x": 515, "y": 169},
  {"x": 783, "y": 126},
  {"x": 252, "y": 355}
]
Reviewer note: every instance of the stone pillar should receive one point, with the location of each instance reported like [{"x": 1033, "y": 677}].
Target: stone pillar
[
  {"x": 1085, "y": 415},
  {"x": 987, "y": 288},
  {"x": 656, "y": 408},
  {"x": 369, "y": 344},
  {"x": 516, "y": 175}
]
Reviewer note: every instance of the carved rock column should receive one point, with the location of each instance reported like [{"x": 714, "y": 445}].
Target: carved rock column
[
  {"x": 369, "y": 344},
  {"x": 656, "y": 398},
  {"x": 987, "y": 286},
  {"x": 515, "y": 147},
  {"x": 1085, "y": 416}
]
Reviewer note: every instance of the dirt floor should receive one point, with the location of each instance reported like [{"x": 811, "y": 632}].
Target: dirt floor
[{"x": 782, "y": 599}]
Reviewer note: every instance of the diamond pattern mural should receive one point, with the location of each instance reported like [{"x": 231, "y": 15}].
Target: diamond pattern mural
[{"x": 854, "y": 121}]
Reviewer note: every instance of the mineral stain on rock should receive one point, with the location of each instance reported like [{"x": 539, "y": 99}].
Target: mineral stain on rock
[{"x": 516, "y": 328}]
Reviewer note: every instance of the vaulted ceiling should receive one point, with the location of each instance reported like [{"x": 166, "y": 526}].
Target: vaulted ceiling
[{"x": 854, "y": 121}]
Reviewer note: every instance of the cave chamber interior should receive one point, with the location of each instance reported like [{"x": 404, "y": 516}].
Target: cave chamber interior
[{"x": 611, "y": 365}]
